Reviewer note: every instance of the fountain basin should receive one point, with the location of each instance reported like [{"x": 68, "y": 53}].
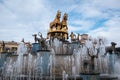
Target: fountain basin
[
  {"x": 90, "y": 76},
  {"x": 108, "y": 77}
]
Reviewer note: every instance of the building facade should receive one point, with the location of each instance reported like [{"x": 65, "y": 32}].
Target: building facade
[{"x": 8, "y": 46}]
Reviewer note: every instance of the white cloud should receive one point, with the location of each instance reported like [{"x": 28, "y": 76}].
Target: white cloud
[
  {"x": 81, "y": 25},
  {"x": 111, "y": 4},
  {"x": 93, "y": 11},
  {"x": 110, "y": 30},
  {"x": 22, "y": 18},
  {"x": 98, "y": 9}
]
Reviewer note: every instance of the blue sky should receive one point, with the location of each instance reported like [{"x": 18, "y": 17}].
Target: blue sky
[{"x": 22, "y": 18}]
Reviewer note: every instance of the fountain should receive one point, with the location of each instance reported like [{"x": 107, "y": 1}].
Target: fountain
[{"x": 56, "y": 58}]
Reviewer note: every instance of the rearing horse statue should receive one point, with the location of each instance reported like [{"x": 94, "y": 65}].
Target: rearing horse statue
[
  {"x": 56, "y": 21},
  {"x": 64, "y": 22}
]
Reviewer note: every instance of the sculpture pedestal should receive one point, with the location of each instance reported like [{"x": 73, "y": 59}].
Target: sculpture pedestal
[
  {"x": 90, "y": 76},
  {"x": 3, "y": 56},
  {"x": 43, "y": 60},
  {"x": 35, "y": 47}
]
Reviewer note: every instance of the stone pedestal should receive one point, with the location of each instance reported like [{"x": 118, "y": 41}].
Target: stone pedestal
[
  {"x": 35, "y": 47},
  {"x": 43, "y": 62},
  {"x": 3, "y": 58}
]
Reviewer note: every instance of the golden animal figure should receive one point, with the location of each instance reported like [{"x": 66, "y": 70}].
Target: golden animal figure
[
  {"x": 64, "y": 22},
  {"x": 56, "y": 21}
]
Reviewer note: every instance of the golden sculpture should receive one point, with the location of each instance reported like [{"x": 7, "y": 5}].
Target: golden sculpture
[
  {"x": 73, "y": 36},
  {"x": 56, "y": 22},
  {"x": 64, "y": 22},
  {"x": 58, "y": 29}
]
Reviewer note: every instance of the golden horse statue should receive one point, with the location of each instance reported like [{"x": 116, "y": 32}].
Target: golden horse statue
[
  {"x": 56, "y": 21},
  {"x": 64, "y": 22}
]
